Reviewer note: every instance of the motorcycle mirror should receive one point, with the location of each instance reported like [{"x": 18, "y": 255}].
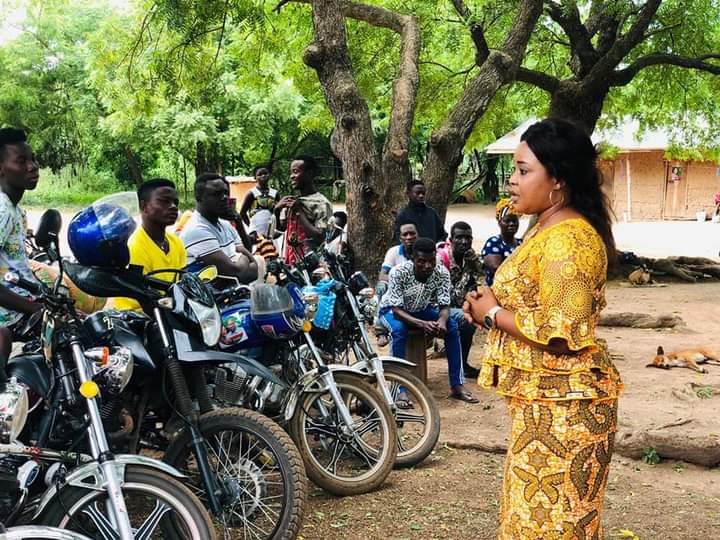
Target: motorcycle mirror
[
  {"x": 208, "y": 274},
  {"x": 48, "y": 229}
]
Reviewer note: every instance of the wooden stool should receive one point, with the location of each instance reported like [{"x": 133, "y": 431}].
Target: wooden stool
[{"x": 415, "y": 348}]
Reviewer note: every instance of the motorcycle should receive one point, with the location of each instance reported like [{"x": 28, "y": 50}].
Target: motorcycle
[
  {"x": 340, "y": 423},
  {"x": 240, "y": 463},
  {"x": 30, "y": 532},
  {"x": 415, "y": 409},
  {"x": 106, "y": 495}
]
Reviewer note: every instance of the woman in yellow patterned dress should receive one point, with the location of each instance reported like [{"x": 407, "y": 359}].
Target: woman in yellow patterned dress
[{"x": 542, "y": 353}]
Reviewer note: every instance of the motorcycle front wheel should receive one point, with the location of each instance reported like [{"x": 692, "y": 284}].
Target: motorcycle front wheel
[
  {"x": 417, "y": 416},
  {"x": 159, "y": 506},
  {"x": 257, "y": 466},
  {"x": 346, "y": 461}
]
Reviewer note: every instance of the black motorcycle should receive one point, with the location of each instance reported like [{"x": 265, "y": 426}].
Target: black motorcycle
[
  {"x": 104, "y": 495},
  {"x": 240, "y": 463}
]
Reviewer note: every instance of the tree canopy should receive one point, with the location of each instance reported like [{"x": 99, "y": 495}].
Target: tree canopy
[{"x": 389, "y": 89}]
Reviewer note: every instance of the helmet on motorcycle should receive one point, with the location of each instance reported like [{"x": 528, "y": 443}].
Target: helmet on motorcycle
[
  {"x": 274, "y": 312},
  {"x": 98, "y": 236}
]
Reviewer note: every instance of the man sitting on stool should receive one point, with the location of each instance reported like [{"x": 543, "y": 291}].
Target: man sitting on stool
[{"x": 414, "y": 289}]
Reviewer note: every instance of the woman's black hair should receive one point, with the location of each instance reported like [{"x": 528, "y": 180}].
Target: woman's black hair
[{"x": 568, "y": 154}]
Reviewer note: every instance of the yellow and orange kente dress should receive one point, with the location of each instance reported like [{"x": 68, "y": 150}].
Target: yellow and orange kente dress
[{"x": 563, "y": 407}]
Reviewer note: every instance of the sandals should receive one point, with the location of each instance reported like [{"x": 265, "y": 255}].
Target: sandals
[
  {"x": 403, "y": 401},
  {"x": 465, "y": 396}
]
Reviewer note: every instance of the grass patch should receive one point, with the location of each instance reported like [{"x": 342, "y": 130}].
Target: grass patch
[
  {"x": 65, "y": 190},
  {"x": 650, "y": 456}
]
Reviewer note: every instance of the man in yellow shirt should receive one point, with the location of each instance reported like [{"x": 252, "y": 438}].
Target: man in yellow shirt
[{"x": 151, "y": 246}]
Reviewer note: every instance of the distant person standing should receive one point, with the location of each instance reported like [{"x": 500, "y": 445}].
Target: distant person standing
[
  {"x": 257, "y": 207},
  {"x": 304, "y": 218},
  {"x": 426, "y": 219}
]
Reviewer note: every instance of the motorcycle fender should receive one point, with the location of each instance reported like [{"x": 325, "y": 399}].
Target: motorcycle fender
[
  {"x": 90, "y": 475},
  {"x": 364, "y": 365},
  {"x": 396, "y": 360},
  {"x": 33, "y": 531},
  {"x": 312, "y": 382}
]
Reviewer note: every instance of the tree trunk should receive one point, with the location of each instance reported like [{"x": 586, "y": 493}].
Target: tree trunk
[
  {"x": 374, "y": 181},
  {"x": 497, "y": 68},
  {"x": 582, "y": 107},
  {"x": 133, "y": 164}
]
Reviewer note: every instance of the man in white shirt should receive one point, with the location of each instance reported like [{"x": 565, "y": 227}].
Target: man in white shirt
[
  {"x": 394, "y": 256},
  {"x": 211, "y": 240}
]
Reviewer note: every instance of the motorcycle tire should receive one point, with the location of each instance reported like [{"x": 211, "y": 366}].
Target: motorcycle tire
[
  {"x": 424, "y": 411},
  {"x": 235, "y": 425},
  {"x": 77, "y": 509},
  {"x": 307, "y": 431}
]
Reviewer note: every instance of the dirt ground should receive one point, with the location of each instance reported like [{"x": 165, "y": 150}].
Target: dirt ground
[{"x": 455, "y": 493}]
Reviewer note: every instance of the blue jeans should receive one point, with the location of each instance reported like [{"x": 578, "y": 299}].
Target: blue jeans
[
  {"x": 398, "y": 331},
  {"x": 467, "y": 331}
]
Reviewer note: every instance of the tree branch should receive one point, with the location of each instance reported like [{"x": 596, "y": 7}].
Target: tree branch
[
  {"x": 406, "y": 85},
  {"x": 568, "y": 17},
  {"x": 660, "y": 30},
  {"x": 539, "y": 79},
  {"x": 604, "y": 67},
  {"x": 477, "y": 33},
  {"x": 501, "y": 66},
  {"x": 624, "y": 76}
]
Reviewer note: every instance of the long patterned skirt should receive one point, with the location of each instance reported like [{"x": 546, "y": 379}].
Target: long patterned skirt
[{"x": 556, "y": 469}]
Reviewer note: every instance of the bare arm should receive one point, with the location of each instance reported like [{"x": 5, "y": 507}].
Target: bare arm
[
  {"x": 245, "y": 208},
  {"x": 492, "y": 262},
  {"x": 309, "y": 227},
  {"x": 400, "y": 314},
  {"x": 245, "y": 268},
  {"x": 15, "y": 302}
]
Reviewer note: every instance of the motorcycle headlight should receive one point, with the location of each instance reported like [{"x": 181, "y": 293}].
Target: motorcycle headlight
[
  {"x": 208, "y": 318},
  {"x": 114, "y": 365},
  {"x": 13, "y": 410}
]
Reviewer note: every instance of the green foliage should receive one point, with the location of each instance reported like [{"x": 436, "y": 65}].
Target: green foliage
[
  {"x": 609, "y": 152},
  {"x": 650, "y": 456},
  {"x": 67, "y": 190},
  {"x": 172, "y": 87},
  {"x": 704, "y": 392}
]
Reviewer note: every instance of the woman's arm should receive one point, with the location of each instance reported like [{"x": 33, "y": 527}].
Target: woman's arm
[{"x": 477, "y": 305}]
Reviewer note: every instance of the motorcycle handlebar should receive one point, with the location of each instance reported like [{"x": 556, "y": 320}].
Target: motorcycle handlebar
[{"x": 30, "y": 286}]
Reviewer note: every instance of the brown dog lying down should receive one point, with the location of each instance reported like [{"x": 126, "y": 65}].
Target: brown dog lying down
[{"x": 687, "y": 358}]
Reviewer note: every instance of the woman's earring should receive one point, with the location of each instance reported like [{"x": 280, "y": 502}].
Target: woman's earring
[{"x": 553, "y": 203}]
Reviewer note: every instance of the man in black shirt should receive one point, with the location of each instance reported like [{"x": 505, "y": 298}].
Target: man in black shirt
[{"x": 426, "y": 219}]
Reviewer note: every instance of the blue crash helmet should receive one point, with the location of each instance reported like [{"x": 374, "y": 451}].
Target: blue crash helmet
[
  {"x": 275, "y": 311},
  {"x": 98, "y": 236}
]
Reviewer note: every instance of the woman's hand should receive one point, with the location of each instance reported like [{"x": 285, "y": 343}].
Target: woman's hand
[{"x": 477, "y": 304}]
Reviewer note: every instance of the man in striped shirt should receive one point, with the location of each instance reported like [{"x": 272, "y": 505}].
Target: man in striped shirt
[{"x": 210, "y": 239}]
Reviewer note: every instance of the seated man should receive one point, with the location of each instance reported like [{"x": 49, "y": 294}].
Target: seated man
[
  {"x": 19, "y": 171},
  {"x": 151, "y": 246},
  {"x": 210, "y": 239},
  {"x": 465, "y": 270},
  {"x": 394, "y": 256},
  {"x": 415, "y": 288}
]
